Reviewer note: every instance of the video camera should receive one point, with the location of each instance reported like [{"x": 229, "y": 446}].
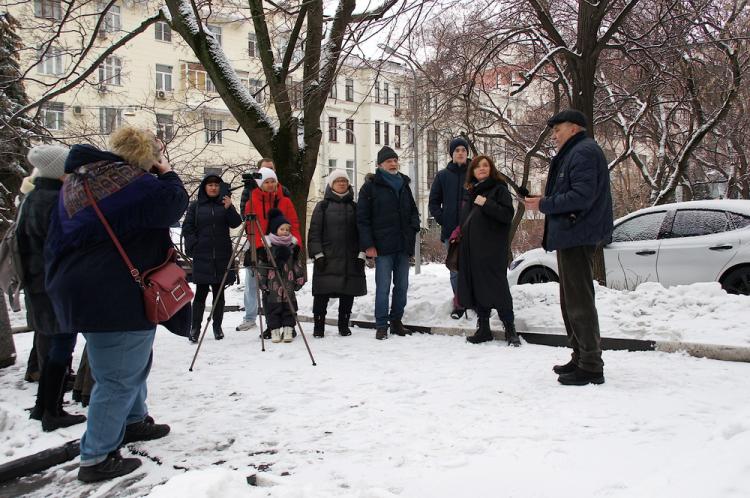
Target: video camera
[{"x": 251, "y": 176}]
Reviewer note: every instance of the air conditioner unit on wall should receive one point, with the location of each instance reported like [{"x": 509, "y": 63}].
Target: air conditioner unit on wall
[{"x": 161, "y": 94}]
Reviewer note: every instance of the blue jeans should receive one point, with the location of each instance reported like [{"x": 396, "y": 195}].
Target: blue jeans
[
  {"x": 454, "y": 274},
  {"x": 120, "y": 363},
  {"x": 396, "y": 265},
  {"x": 251, "y": 298}
]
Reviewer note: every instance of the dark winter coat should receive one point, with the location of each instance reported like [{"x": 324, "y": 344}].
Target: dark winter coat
[
  {"x": 577, "y": 201},
  {"x": 333, "y": 233},
  {"x": 206, "y": 232},
  {"x": 483, "y": 254},
  {"x": 88, "y": 282},
  {"x": 32, "y": 232},
  {"x": 446, "y": 195},
  {"x": 291, "y": 271},
  {"x": 387, "y": 220}
]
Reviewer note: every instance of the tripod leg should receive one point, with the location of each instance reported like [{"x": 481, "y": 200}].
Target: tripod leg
[{"x": 260, "y": 316}]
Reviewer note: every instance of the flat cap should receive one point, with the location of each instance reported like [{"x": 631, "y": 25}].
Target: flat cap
[{"x": 568, "y": 116}]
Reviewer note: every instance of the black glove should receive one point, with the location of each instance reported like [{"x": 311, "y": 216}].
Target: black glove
[{"x": 320, "y": 263}]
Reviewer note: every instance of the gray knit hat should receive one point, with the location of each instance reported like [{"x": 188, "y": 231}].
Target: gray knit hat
[{"x": 49, "y": 160}]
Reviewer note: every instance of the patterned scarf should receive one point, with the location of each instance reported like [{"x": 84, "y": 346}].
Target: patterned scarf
[{"x": 104, "y": 179}]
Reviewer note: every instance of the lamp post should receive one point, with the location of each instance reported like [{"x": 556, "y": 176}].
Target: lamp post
[{"x": 415, "y": 147}]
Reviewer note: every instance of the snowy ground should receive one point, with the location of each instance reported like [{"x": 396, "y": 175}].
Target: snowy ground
[{"x": 422, "y": 415}]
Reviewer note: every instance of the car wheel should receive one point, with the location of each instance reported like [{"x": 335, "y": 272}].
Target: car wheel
[
  {"x": 537, "y": 275},
  {"x": 737, "y": 281}
]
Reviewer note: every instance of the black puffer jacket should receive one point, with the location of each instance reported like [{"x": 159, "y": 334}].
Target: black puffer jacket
[
  {"x": 206, "y": 232},
  {"x": 32, "y": 232},
  {"x": 333, "y": 232}
]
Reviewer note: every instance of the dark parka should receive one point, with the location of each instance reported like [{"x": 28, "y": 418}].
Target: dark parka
[
  {"x": 32, "y": 232},
  {"x": 206, "y": 232},
  {"x": 333, "y": 232},
  {"x": 446, "y": 195},
  {"x": 386, "y": 220},
  {"x": 577, "y": 201},
  {"x": 483, "y": 254}
]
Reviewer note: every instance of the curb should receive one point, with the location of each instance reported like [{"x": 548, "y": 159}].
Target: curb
[{"x": 710, "y": 351}]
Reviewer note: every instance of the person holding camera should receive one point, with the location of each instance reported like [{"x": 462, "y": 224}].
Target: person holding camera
[
  {"x": 333, "y": 240},
  {"x": 207, "y": 241},
  {"x": 93, "y": 292}
]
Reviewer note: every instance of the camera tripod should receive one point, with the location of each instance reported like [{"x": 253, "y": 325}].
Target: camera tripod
[{"x": 252, "y": 223}]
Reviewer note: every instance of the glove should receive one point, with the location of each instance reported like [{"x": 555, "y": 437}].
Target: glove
[{"x": 320, "y": 263}]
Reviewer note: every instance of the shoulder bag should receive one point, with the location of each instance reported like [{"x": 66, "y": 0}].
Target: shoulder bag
[{"x": 451, "y": 259}]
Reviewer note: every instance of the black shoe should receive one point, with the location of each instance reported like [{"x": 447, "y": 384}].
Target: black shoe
[
  {"x": 344, "y": 329},
  {"x": 580, "y": 377},
  {"x": 398, "y": 328},
  {"x": 457, "y": 313},
  {"x": 114, "y": 466},
  {"x": 319, "y": 327},
  {"x": 381, "y": 333},
  {"x": 195, "y": 334},
  {"x": 266, "y": 334},
  {"x": 54, "y": 417},
  {"x": 218, "y": 333},
  {"x": 483, "y": 333},
  {"x": 144, "y": 431},
  {"x": 565, "y": 369},
  {"x": 511, "y": 336}
]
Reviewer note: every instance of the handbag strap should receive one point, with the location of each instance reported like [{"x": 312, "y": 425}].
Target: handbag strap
[{"x": 133, "y": 270}]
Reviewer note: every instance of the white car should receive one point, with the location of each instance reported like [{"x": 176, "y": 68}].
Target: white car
[{"x": 673, "y": 244}]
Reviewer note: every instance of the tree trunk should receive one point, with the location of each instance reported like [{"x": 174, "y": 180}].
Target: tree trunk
[{"x": 7, "y": 346}]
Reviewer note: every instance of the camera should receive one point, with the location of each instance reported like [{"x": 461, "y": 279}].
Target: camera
[{"x": 251, "y": 177}]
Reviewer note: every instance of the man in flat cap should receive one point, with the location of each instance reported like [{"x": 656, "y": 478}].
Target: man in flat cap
[{"x": 577, "y": 204}]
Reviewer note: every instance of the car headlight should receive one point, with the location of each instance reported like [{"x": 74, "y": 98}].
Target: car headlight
[{"x": 515, "y": 263}]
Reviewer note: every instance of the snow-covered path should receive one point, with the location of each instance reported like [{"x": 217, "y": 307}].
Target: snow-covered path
[{"x": 415, "y": 417}]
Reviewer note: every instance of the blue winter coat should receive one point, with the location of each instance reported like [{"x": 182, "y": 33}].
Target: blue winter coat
[
  {"x": 446, "y": 195},
  {"x": 89, "y": 284},
  {"x": 386, "y": 220},
  {"x": 206, "y": 232},
  {"x": 577, "y": 201}
]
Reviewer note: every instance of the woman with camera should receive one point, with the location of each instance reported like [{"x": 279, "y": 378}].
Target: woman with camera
[
  {"x": 93, "y": 292},
  {"x": 207, "y": 241}
]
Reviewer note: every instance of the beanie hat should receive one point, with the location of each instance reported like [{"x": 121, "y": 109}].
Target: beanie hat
[
  {"x": 275, "y": 219},
  {"x": 49, "y": 160},
  {"x": 568, "y": 116},
  {"x": 265, "y": 174},
  {"x": 386, "y": 153},
  {"x": 456, "y": 142},
  {"x": 335, "y": 175}
]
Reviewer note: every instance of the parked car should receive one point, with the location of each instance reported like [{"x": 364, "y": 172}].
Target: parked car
[{"x": 673, "y": 244}]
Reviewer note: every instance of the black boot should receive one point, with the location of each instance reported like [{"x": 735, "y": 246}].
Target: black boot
[
  {"x": 344, "y": 324},
  {"x": 581, "y": 377},
  {"x": 483, "y": 333},
  {"x": 319, "y": 327},
  {"x": 38, "y": 411},
  {"x": 218, "y": 333},
  {"x": 398, "y": 328},
  {"x": 146, "y": 430},
  {"x": 113, "y": 466},
  {"x": 381, "y": 333},
  {"x": 195, "y": 333},
  {"x": 54, "y": 416},
  {"x": 565, "y": 369},
  {"x": 511, "y": 335}
]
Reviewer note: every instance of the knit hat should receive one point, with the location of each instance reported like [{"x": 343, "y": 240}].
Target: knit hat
[
  {"x": 265, "y": 174},
  {"x": 335, "y": 175},
  {"x": 275, "y": 219},
  {"x": 568, "y": 116},
  {"x": 386, "y": 153},
  {"x": 458, "y": 141},
  {"x": 49, "y": 160}
]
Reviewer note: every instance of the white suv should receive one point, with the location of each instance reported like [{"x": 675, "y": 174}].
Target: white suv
[{"x": 673, "y": 244}]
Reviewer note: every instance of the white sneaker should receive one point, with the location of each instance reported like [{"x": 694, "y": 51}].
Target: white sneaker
[
  {"x": 276, "y": 335},
  {"x": 288, "y": 334},
  {"x": 246, "y": 325}
]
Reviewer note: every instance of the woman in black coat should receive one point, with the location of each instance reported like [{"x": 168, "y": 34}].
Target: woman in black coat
[
  {"x": 207, "y": 241},
  {"x": 333, "y": 241},
  {"x": 486, "y": 218}
]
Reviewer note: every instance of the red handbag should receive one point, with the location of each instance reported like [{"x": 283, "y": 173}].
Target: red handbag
[{"x": 165, "y": 288}]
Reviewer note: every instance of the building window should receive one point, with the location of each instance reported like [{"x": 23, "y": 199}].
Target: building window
[
  {"x": 397, "y": 98},
  {"x": 214, "y": 129},
  {"x": 332, "y": 129},
  {"x": 110, "y": 119},
  {"x": 386, "y": 133},
  {"x": 377, "y": 132},
  {"x": 112, "y": 20},
  {"x": 52, "y": 116},
  {"x": 350, "y": 170},
  {"x": 350, "y": 131},
  {"x": 331, "y": 166},
  {"x": 164, "y": 77},
  {"x": 48, "y": 9},
  {"x": 164, "y": 127},
  {"x": 349, "y": 90},
  {"x": 216, "y": 31},
  {"x": 377, "y": 92},
  {"x": 295, "y": 93},
  {"x": 162, "y": 32},
  {"x": 334, "y": 91},
  {"x": 110, "y": 71},
  {"x": 256, "y": 89},
  {"x": 432, "y": 141},
  {"x": 252, "y": 42},
  {"x": 397, "y": 136},
  {"x": 198, "y": 78},
  {"x": 51, "y": 62},
  {"x": 385, "y": 93}
]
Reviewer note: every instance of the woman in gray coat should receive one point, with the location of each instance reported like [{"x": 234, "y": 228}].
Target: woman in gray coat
[{"x": 339, "y": 268}]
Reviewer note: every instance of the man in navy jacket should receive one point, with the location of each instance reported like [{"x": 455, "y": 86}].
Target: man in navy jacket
[{"x": 577, "y": 204}]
